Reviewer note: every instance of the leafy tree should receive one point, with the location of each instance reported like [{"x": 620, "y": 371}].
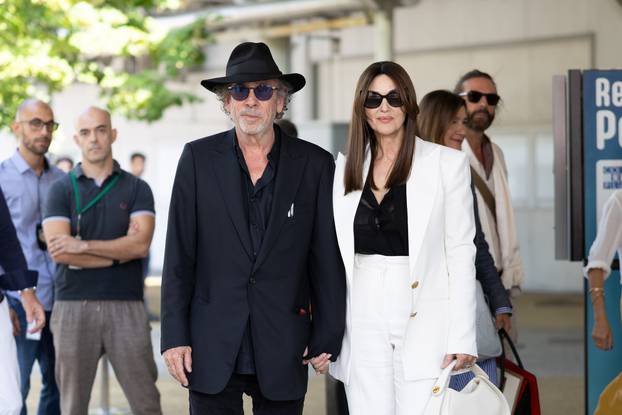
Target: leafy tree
[{"x": 46, "y": 45}]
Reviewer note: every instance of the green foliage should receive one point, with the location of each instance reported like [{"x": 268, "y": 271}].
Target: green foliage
[
  {"x": 181, "y": 48},
  {"x": 144, "y": 96},
  {"x": 45, "y": 45}
]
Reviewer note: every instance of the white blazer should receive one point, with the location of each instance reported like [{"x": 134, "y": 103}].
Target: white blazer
[{"x": 441, "y": 252}]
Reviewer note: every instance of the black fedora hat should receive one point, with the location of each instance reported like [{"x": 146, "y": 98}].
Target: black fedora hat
[{"x": 253, "y": 62}]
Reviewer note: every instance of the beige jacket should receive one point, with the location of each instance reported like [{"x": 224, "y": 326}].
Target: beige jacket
[{"x": 500, "y": 234}]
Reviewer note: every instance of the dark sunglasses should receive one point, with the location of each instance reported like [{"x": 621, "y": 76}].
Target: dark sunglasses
[
  {"x": 262, "y": 92},
  {"x": 37, "y": 124},
  {"x": 374, "y": 99},
  {"x": 475, "y": 96}
]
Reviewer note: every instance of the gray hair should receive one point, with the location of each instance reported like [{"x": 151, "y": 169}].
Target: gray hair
[{"x": 222, "y": 92}]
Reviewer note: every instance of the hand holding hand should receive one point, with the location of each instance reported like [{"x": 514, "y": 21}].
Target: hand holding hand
[
  {"x": 177, "y": 360},
  {"x": 319, "y": 363}
]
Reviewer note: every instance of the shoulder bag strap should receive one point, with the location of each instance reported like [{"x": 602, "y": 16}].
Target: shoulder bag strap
[
  {"x": 504, "y": 335},
  {"x": 489, "y": 199}
]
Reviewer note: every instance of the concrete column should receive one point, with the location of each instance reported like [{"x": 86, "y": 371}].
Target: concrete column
[
  {"x": 301, "y": 108},
  {"x": 383, "y": 34}
]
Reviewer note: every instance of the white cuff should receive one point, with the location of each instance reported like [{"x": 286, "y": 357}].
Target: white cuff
[
  {"x": 597, "y": 264},
  {"x": 142, "y": 213},
  {"x": 56, "y": 218}
]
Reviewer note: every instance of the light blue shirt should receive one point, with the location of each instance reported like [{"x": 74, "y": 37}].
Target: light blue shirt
[{"x": 26, "y": 194}]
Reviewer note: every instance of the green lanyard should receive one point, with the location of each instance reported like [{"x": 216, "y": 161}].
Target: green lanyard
[{"x": 80, "y": 210}]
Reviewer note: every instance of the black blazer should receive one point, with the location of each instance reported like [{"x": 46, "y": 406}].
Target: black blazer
[
  {"x": 211, "y": 286},
  {"x": 16, "y": 275},
  {"x": 485, "y": 270}
]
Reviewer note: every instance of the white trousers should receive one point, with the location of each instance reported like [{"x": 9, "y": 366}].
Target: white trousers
[
  {"x": 381, "y": 304},
  {"x": 10, "y": 394}
]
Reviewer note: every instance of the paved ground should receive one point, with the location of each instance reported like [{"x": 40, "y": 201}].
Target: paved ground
[{"x": 550, "y": 344}]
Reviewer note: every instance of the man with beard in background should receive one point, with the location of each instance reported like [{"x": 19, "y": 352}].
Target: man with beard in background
[
  {"x": 489, "y": 175},
  {"x": 26, "y": 178}
]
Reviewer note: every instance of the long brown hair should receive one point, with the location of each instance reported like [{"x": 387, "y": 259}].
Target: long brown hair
[
  {"x": 438, "y": 109},
  {"x": 361, "y": 135}
]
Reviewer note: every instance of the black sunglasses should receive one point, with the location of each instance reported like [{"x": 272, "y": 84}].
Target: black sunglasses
[
  {"x": 475, "y": 96},
  {"x": 374, "y": 99},
  {"x": 262, "y": 92}
]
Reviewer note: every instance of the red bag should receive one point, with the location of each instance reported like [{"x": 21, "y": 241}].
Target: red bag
[{"x": 519, "y": 386}]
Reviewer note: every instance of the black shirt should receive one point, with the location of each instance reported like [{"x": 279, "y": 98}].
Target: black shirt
[
  {"x": 108, "y": 219},
  {"x": 382, "y": 229},
  {"x": 257, "y": 205}
]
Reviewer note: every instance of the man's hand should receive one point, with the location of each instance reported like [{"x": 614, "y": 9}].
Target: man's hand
[
  {"x": 465, "y": 361},
  {"x": 65, "y": 244},
  {"x": 177, "y": 359},
  {"x": 503, "y": 321},
  {"x": 17, "y": 328},
  {"x": 34, "y": 309},
  {"x": 319, "y": 363}
]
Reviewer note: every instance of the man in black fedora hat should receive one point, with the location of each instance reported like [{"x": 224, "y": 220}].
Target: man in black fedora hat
[{"x": 253, "y": 283}]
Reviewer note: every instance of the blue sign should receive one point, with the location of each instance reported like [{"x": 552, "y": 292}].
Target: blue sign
[{"x": 602, "y": 167}]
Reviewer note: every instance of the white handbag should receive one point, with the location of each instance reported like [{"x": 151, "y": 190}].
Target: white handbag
[{"x": 479, "y": 397}]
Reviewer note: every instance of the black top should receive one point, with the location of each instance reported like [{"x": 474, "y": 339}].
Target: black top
[
  {"x": 108, "y": 219},
  {"x": 257, "y": 204},
  {"x": 382, "y": 229}
]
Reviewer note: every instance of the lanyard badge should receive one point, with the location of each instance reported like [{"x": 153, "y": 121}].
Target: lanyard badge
[{"x": 79, "y": 209}]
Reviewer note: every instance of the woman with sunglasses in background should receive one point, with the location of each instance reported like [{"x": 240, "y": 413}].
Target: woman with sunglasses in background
[
  {"x": 400, "y": 205},
  {"x": 442, "y": 121}
]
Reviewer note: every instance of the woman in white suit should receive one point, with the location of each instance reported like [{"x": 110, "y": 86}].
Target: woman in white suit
[{"x": 404, "y": 218}]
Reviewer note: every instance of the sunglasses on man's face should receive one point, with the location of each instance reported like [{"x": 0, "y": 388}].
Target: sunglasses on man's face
[
  {"x": 374, "y": 99},
  {"x": 475, "y": 96},
  {"x": 262, "y": 92}
]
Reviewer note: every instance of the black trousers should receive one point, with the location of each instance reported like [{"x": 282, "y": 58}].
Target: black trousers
[{"x": 229, "y": 401}]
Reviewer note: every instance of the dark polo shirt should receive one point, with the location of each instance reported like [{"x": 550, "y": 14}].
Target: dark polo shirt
[{"x": 108, "y": 219}]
